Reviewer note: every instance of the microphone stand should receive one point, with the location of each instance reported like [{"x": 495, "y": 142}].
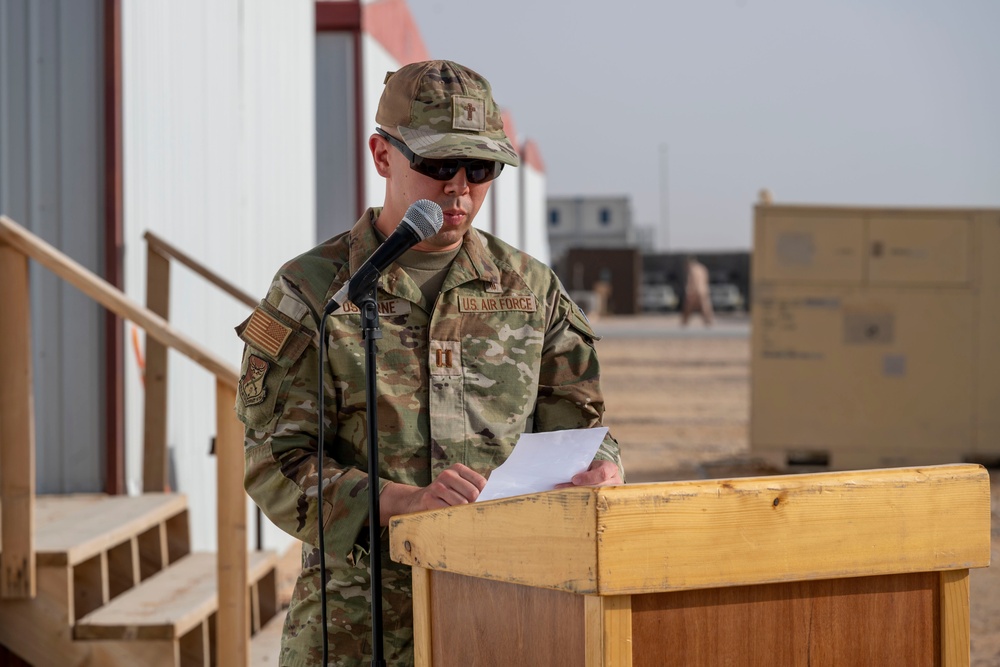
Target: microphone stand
[{"x": 368, "y": 305}]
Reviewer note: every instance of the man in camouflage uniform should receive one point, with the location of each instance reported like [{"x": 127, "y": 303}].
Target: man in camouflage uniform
[{"x": 480, "y": 343}]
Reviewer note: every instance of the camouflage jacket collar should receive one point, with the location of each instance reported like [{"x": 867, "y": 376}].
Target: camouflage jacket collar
[{"x": 473, "y": 261}]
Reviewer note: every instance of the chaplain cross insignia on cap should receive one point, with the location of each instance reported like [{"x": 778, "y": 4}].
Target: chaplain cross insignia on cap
[{"x": 468, "y": 113}]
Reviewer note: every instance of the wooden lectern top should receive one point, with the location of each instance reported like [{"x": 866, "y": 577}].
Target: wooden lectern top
[{"x": 642, "y": 538}]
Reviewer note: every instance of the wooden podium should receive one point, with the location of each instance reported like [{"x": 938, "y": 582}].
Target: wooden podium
[{"x": 842, "y": 569}]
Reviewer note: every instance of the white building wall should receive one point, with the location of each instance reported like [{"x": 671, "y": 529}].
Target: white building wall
[
  {"x": 485, "y": 218},
  {"x": 562, "y": 225},
  {"x": 376, "y": 62},
  {"x": 52, "y": 183},
  {"x": 218, "y": 160},
  {"x": 506, "y": 207},
  {"x": 535, "y": 238},
  {"x": 606, "y": 217}
]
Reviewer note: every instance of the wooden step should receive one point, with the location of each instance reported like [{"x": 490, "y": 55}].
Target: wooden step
[
  {"x": 105, "y": 545},
  {"x": 90, "y": 548},
  {"x": 71, "y": 529},
  {"x": 265, "y": 646},
  {"x": 177, "y": 601}
]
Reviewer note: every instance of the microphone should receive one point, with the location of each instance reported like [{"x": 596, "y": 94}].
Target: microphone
[{"x": 423, "y": 219}]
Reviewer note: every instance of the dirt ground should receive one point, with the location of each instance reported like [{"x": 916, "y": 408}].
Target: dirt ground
[{"x": 678, "y": 402}]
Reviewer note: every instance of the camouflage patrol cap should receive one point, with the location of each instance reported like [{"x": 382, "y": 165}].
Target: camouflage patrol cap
[{"x": 441, "y": 109}]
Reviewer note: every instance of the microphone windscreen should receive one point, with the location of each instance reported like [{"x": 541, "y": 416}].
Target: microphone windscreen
[{"x": 424, "y": 217}]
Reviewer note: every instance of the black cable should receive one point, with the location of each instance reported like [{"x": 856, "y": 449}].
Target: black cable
[
  {"x": 332, "y": 306},
  {"x": 371, "y": 333}
]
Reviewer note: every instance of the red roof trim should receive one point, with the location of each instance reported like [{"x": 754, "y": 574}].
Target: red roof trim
[
  {"x": 331, "y": 16},
  {"x": 531, "y": 156},
  {"x": 508, "y": 128},
  {"x": 391, "y": 24}
]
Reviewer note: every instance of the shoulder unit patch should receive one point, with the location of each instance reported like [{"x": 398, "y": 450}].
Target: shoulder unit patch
[{"x": 252, "y": 383}]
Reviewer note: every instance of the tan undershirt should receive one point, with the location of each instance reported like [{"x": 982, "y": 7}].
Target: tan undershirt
[{"x": 427, "y": 269}]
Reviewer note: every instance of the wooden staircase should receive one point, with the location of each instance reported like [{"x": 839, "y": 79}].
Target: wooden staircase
[
  {"x": 119, "y": 585},
  {"x": 111, "y": 580}
]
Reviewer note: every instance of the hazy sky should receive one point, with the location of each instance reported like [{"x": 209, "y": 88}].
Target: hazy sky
[{"x": 876, "y": 102}]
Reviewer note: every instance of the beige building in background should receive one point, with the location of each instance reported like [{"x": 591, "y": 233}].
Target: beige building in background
[{"x": 589, "y": 222}]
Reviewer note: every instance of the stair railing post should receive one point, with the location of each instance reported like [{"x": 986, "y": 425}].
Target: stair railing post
[
  {"x": 155, "y": 467},
  {"x": 17, "y": 429},
  {"x": 233, "y": 620}
]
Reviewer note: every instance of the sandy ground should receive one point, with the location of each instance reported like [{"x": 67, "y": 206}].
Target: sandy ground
[{"x": 678, "y": 402}]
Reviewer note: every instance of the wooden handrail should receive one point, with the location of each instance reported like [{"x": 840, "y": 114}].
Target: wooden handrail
[
  {"x": 232, "y": 627},
  {"x": 17, "y": 430},
  {"x": 108, "y": 296},
  {"x": 164, "y": 248},
  {"x": 159, "y": 253}
]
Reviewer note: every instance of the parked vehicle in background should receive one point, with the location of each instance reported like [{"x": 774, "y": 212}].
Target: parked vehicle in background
[
  {"x": 726, "y": 297},
  {"x": 658, "y": 298}
]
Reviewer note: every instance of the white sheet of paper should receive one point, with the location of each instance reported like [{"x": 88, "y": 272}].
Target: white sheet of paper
[{"x": 542, "y": 460}]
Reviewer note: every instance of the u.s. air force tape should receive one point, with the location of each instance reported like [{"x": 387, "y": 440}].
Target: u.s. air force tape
[{"x": 494, "y": 304}]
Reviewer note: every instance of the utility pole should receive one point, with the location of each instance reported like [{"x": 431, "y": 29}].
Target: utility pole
[{"x": 664, "y": 200}]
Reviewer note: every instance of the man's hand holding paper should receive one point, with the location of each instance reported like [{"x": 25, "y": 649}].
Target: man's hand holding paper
[{"x": 551, "y": 460}]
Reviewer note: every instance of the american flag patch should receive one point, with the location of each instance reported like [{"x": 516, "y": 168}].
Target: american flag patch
[{"x": 266, "y": 332}]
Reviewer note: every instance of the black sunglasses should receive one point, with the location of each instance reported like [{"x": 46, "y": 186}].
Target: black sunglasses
[{"x": 476, "y": 171}]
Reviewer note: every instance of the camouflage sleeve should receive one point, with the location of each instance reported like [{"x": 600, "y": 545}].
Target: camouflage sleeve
[
  {"x": 569, "y": 387},
  {"x": 277, "y": 403}
]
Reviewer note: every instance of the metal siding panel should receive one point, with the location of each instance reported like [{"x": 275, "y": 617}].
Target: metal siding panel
[
  {"x": 336, "y": 208},
  {"x": 137, "y": 41},
  {"x": 49, "y": 154},
  {"x": 219, "y": 161},
  {"x": 80, "y": 108},
  {"x": 915, "y": 250},
  {"x": 815, "y": 387},
  {"x": 14, "y": 114},
  {"x": 987, "y": 389},
  {"x": 281, "y": 92},
  {"x": 822, "y": 247},
  {"x": 182, "y": 153},
  {"x": 280, "y": 87},
  {"x": 40, "y": 217},
  {"x": 172, "y": 165},
  {"x": 20, "y": 154}
]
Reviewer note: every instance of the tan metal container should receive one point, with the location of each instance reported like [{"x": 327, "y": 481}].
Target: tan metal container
[{"x": 876, "y": 336}]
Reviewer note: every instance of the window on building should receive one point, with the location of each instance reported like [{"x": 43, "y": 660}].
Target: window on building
[
  {"x": 553, "y": 217},
  {"x": 605, "y": 216}
]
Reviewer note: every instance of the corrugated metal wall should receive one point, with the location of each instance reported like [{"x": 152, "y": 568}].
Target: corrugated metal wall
[
  {"x": 336, "y": 166},
  {"x": 218, "y": 160},
  {"x": 52, "y": 182}
]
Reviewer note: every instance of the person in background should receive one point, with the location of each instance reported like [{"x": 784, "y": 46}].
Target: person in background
[
  {"x": 480, "y": 343},
  {"x": 696, "y": 294}
]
